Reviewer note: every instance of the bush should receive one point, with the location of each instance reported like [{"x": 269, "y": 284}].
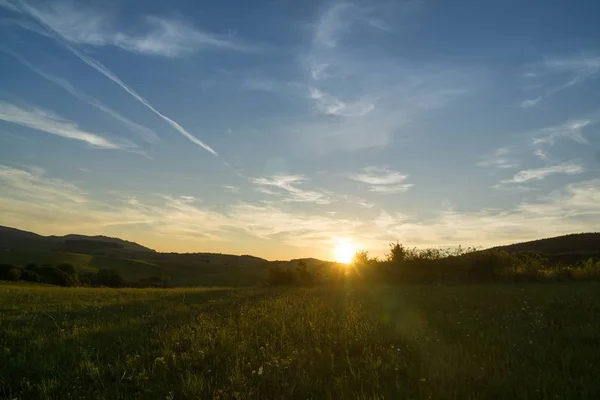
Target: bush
[
  {"x": 69, "y": 270},
  {"x": 109, "y": 277},
  {"x": 9, "y": 272},
  {"x": 303, "y": 275},
  {"x": 87, "y": 278},
  {"x": 30, "y": 276},
  {"x": 279, "y": 276},
  {"x": 488, "y": 265},
  {"x": 55, "y": 276}
]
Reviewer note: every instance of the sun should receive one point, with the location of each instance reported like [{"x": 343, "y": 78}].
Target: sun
[{"x": 344, "y": 252}]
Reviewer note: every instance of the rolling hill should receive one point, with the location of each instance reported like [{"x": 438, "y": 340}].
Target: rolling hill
[
  {"x": 136, "y": 262},
  {"x": 573, "y": 244},
  {"x": 12, "y": 238}
]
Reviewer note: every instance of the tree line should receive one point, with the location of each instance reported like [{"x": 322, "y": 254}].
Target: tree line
[
  {"x": 461, "y": 265},
  {"x": 67, "y": 275}
]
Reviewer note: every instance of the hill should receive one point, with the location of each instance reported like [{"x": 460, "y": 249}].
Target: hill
[
  {"x": 11, "y": 238},
  {"x": 132, "y": 260},
  {"x": 573, "y": 244}
]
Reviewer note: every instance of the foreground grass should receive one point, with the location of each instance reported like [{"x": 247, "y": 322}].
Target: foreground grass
[{"x": 442, "y": 342}]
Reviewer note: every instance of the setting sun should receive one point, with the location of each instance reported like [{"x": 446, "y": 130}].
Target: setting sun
[{"x": 344, "y": 251}]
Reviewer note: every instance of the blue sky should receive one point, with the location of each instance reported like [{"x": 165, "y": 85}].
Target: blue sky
[{"x": 280, "y": 128}]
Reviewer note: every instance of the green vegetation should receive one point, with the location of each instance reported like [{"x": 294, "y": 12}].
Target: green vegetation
[
  {"x": 350, "y": 341},
  {"x": 183, "y": 270}
]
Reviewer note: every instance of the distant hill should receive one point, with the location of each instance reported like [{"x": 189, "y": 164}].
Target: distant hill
[
  {"x": 11, "y": 238},
  {"x": 573, "y": 244}
]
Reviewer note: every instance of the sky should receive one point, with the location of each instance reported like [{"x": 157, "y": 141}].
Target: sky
[{"x": 282, "y": 128}]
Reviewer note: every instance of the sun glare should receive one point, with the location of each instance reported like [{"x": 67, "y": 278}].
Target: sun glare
[{"x": 344, "y": 251}]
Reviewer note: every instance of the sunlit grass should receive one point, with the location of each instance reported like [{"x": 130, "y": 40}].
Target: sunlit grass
[{"x": 355, "y": 341}]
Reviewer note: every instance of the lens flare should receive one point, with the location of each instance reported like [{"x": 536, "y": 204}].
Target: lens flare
[{"x": 344, "y": 252}]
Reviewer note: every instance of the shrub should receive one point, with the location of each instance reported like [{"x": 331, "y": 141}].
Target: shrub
[
  {"x": 69, "y": 270},
  {"x": 304, "y": 276},
  {"x": 9, "y": 272},
  {"x": 55, "y": 276},
  {"x": 488, "y": 265},
  {"x": 30, "y": 276},
  {"x": 278, "y": 276},
  {"x": 109, "y": 277},
  {"x": 87, "y": 278}
]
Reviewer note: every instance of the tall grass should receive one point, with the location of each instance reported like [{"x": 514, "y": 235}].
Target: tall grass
[{"x": 353, "y": 340}]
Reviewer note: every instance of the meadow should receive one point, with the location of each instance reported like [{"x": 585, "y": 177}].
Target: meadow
[{"x": 353, "y": 340}]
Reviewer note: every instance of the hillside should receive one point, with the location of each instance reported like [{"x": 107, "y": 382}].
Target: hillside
[
  {"x": 11, "y": 238},
  {"x": 574, "y": 244}
]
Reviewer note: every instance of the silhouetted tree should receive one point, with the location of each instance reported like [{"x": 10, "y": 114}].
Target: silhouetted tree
[
  {"x": 69, "y": 270},
  {"x": 109, "y": 277},
  {"x": 398, "y": 253},
  {"x": 55, "y": 276}
]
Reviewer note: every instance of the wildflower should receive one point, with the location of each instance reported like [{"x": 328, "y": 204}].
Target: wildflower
[{"x": 260, "y": 371}]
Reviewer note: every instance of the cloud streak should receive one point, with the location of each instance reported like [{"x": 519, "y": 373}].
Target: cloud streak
[
  {"x": 46, "y": 121},
  {"x": 155, "y": 36},
  {"x": 501, "y": 158},
  {"x": 567, "y": 168},
  {"x": 33, "y": 200},
  {"x": 383, "y": 180},
  {"x": 570, "y": 130},
  {"x": 330, "y": 105},
  {"x": 571, "y": 71},
  {"x": 110, "y": 75},
  {"x": 288, "y": 184},
  {"x": 145, "y": 133}
]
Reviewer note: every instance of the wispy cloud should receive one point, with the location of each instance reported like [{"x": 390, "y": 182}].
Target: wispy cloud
[
  {"x": 575, "y": 208},
  {"x": 9, "y": 5},
  {"x": 542, "y": 155},
  {"x": 567, "y": 168},
  {"x": 293, "y": 228},
  {"x": 564, "y": 72},
  {"x": 570, "y": 130},
  {"x": 373, "y": 95},
  {"x": 172, "y": 38},
  {"x": 33, "y": 200},
  {"x": 530, "y": 102},
  {"x": 334, "y": 21},
  {"x": 288, "y": 186},
  {"x": 78, "y": 24},
  {"x": 113, "y": 77},
  {"x": 501, "y": 158},
  {"x": 338, "y": 17},
  {"x": 232, "y": 189},
  {"x": 145, "y": 133},
  {"x": 110, "y": 75},
  {"x": 330, "y": 105},
  {"x": 46, "y": 121},
  {"x": 383, "y": 180},
  {"x": 27, "y": 182}
]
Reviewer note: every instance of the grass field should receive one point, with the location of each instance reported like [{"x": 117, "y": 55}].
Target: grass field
[{"x": 537, "y": 341}]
